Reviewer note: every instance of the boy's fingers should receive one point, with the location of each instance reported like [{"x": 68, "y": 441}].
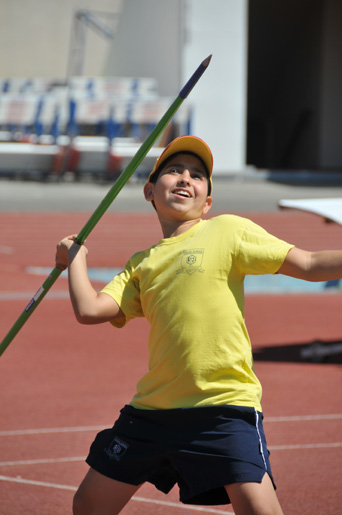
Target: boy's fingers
[
  {"x": 60, "y": 266},
  {"x": 63, "y": 248},
  {"x": 67, "y": 242}
]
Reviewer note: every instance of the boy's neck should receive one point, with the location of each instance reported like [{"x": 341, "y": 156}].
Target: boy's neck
[{"x": 174, "y": 228}]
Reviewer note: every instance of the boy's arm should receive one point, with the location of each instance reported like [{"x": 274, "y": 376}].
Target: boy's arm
[
  {"x": 89, "y": 306},
  {"x": 324, "y": 265}
]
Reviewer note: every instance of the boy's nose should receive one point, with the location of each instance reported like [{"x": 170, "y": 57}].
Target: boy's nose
[{"x": 185, "y": 176}]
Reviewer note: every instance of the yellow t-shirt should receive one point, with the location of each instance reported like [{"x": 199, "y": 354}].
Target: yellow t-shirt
[{"x": 190, "y": 289}]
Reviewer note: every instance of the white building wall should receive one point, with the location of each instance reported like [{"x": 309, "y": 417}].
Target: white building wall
[
  {"x": 35, "y": 37},
  {"x": 148, "y": 43},
  {"x": 219, "y": 27},
  {"x": 168, "y": 40}
]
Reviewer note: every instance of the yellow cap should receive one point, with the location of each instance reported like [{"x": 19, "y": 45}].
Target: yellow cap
[{"x": 187, "y": 144}]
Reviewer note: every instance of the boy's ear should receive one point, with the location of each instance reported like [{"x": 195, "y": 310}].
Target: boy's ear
[
  {"x": 148, "y": 191},
  {"x": 207, "y": 206}
]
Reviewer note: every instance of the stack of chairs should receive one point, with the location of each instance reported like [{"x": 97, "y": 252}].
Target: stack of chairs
[{"x": 87, "y": 125}]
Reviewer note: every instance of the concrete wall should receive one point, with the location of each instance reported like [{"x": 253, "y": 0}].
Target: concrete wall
[
  {"x": 219, "y": 27},
  {"x": 148, "y": 43},
  {"x": 168, "y": 40},
  {"x": 35, "y": 37},
  {"x": 154, "y": 38}
]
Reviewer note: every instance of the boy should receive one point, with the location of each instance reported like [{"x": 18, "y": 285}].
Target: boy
[{"x": 196, "y": 418}]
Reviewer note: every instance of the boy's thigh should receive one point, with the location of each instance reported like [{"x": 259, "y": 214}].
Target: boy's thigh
[
  {"x": 254, "y": 498},
  {"x": 98, "y": 494}
]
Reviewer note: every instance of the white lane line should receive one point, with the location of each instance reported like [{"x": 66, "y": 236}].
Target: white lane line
[
  {"x": 286, "y": 447},
  {"x": 39, "y": 431},
  {"x": 182, "y": 506},
  {"x": 18, "y": 432},
  {"x": 303, "y": 418},
  {"x": 6, "y": 250},
  {"x": 304, "y": 446},
  {"x": 36, "y": 483},
  {"x": 135, "y": 498},
  {"x": 41, "y": 461}
]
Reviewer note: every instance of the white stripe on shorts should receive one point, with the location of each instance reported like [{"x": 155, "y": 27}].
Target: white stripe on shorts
[{"x": 259, "y": 436}]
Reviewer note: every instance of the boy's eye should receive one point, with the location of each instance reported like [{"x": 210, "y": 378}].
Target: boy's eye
[{"x": 194, "y": 175}]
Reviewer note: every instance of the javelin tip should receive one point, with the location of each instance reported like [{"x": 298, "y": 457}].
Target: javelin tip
[
  {"x": 206, "y": 61},
  {"x": 194, "y": 78}
]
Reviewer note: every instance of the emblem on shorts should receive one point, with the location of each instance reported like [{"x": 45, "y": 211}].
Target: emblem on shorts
[
  {"x": 191, "y": 261},
  {"x": 116, "y": 449}
]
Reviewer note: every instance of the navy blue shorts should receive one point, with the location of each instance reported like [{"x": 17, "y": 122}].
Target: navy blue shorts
[{"x": 200, "y": 449}]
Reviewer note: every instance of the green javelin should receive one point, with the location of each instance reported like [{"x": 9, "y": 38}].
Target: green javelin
[{"x": 106, "y": 202}]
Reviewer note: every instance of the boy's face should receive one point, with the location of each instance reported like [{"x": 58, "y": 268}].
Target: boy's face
[{"x": 181, "y": 190}]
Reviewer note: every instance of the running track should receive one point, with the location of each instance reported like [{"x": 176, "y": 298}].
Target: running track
[{"x": 61, "y": 382}]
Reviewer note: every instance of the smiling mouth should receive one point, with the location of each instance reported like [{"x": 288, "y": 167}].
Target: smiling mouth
[{"x": 182, "y": 193}]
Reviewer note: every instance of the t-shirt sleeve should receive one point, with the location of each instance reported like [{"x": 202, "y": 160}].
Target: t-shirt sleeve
[
  {"x": 124, "y": 289},
  {"x": 259, "y": 252}
]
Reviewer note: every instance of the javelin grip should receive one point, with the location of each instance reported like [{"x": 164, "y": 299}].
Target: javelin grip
[{"x": 108, "y": 199}]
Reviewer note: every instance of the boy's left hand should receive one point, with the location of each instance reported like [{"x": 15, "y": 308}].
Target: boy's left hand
[{"x": 62, "y": 252}]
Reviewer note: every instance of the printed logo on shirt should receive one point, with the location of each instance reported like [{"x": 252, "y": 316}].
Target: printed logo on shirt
[
  {"x": 116, "y": 449},
  {"x": 191, "y": 261}
]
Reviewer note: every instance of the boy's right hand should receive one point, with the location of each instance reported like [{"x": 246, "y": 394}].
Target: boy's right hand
[{"x": 63, "y": 249}]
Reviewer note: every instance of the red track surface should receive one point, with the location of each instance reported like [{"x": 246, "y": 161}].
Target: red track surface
[{"x": 69, "y": 379}]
